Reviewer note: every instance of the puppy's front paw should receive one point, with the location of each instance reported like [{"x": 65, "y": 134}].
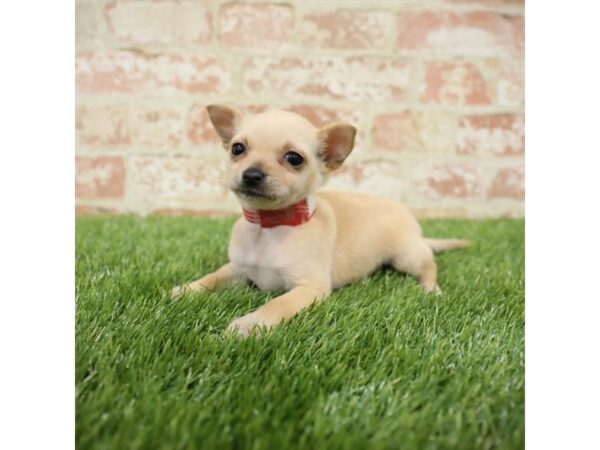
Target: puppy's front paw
[
  {"x": 245, "y": 324},
  {"x": 178, "y": 291}
]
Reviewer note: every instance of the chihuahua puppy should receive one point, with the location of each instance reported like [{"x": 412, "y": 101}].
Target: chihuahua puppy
[{"x": 292, "y": 238}]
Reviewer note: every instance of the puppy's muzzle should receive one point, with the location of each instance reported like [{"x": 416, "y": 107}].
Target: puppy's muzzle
[{"x": 253, "y": 177}]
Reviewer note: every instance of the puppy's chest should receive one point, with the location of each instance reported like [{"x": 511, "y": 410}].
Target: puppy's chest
[{"x": 260, "y": 254}]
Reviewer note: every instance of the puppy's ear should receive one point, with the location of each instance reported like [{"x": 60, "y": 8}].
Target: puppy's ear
[
  {"x": 337, "y": 140},
  {"x": 225, "y": 119}
]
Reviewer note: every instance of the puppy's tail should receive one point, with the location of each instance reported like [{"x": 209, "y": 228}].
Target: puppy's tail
[{"x": 440, "y": 245}]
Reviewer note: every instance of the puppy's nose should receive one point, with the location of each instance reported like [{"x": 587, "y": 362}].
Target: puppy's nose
[{"x": 253, "y": 177}]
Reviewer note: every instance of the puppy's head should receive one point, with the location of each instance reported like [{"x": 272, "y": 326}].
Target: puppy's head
[{"x": 278, "y": 157}]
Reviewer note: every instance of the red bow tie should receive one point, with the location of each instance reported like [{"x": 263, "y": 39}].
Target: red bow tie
[{"x": 292, "y": 216}]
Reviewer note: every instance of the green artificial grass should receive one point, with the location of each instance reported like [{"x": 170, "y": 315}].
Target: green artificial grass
[{"x": 378, "y": 365}]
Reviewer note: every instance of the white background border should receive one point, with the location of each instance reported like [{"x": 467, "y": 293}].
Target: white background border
[
  {"x": 562, "y": 225},
  {"x": 37, "y": 393}
]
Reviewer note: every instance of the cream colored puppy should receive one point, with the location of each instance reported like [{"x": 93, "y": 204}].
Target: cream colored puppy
[{"x": 299, "y": 241}]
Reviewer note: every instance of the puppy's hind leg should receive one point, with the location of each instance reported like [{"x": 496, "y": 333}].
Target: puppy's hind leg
[{"x": 415, "y": 257}]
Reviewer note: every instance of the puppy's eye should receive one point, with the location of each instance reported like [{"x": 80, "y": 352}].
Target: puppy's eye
[
  {"x": 294, "y": 158},
  {"x": 238, "y": 149}
]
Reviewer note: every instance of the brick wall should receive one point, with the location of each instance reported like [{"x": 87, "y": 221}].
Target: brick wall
[{"x": 436, "y": 88}]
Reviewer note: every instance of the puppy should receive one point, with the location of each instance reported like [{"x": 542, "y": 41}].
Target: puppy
[{"x": 294, "y": 239}]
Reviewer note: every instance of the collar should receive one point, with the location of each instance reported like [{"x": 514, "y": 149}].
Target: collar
[{"x": 292, "y": 216}]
